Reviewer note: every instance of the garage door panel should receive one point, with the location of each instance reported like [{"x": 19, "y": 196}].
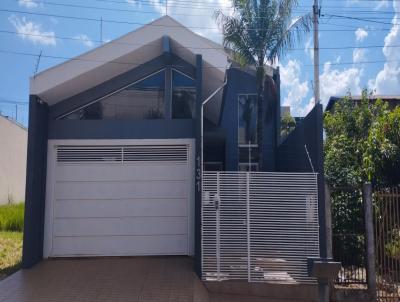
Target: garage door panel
[
  {"x": 122, "y": 172},
  {"x": 120, "y": 190},
  {"x": 120, "y": 245},
  {"x": 119, "y": 199},
  {"x": 120, "y": 207},
  {"x": 126, "y": 226}
]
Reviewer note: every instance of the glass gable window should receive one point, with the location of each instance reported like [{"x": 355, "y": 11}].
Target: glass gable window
[
  {"x": 183, "y": 96},
  {"x": 141, "y": 100},
  {"x": 247, "y": 132}
]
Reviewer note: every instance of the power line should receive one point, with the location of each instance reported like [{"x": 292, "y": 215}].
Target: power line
[
  {"x": 360, "y": 19},
  {"x": 63, "y": 4},
  {"x": 204, "y": 67},
  {"x": 11, "y": 102},
  {"x": 192, "y": 5},
  {"x": 152, "y": 44},
  {"x": 130, "y": 22}
]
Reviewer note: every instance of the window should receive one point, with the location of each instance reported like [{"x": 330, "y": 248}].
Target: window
[
  {"x": 183, "y": 96},
  {"x": 247, "y": 119},
  {"x": 247, "y": 132},
  {"x": 141, "y": 100}
]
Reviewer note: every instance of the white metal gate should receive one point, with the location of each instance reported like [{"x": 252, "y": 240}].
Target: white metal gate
[{"x": 259, "y": 226}]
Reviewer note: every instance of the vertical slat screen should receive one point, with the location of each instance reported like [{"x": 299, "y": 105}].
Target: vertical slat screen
[{"x": 258, "y": 226}]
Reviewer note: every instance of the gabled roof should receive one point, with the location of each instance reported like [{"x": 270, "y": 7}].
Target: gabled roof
[{"x": 122, "y": 54}]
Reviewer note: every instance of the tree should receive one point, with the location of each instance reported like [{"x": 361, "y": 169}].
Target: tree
[
  {"x": 260, "y": 31},
  {"x": 362, "y": 144},
  {"x": 288, "y": 123}
]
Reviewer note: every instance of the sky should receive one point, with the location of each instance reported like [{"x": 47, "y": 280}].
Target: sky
[{"x": 359, "y": 41}]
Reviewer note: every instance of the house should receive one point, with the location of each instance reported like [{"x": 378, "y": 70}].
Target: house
[
  {"x": 126, "y": 140},
  {"x": 393, "y": 101},
  {"x": 13, "y": 141}
]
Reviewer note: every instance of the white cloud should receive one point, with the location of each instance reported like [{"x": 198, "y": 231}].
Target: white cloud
[
  {"x": 85, "y": 40},
  {"x": 335, "y": 82},
  {"x": 361, "y": 34},
  {"x": 200, "y": 21},
  {"x": 308, "y": 48},
  {"x": 28, "y": 3},
  {"x": 29, "y": 30},
  {"x": 382, "y": 4},
  {"x": 388, "y": 79},
  {"x": 358, "y": 55},
  {"x": 296, "y": 89},
  {"x": 158, "y": 5}
]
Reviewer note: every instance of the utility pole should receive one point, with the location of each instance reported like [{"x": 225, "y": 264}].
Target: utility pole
[{"x": 316, "y": 11}]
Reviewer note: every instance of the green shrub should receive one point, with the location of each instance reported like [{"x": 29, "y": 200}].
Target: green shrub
[{"x": 12, "y": 217}]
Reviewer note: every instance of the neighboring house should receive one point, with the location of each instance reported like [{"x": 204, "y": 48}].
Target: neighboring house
[
  {"x": 13, "y": 141},
  {"x": 116, "y": 140},
  {"x": 393, "y": 101}
]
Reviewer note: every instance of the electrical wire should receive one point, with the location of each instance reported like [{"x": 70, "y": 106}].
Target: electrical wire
[{"x": 152, "y": 44}]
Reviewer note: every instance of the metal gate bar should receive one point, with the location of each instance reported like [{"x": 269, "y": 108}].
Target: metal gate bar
[
  {"x": 259, "y": 226},
  {"x": 387, "y": 243}
]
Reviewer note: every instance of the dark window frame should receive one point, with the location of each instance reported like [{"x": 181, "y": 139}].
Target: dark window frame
[
  {"x": 168, "y": 92},
  {"x": 245, "y": 145}
]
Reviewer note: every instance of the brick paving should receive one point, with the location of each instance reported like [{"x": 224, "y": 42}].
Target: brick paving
[{"x": 136, "y": 279}]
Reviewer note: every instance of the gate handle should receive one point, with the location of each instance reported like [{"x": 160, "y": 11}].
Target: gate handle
[{"x": 216, "y": 201}]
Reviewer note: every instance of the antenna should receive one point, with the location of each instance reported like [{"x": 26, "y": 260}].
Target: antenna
[
  {"x": 166, "y": 7},
  {"x": 37, "y": 63}
]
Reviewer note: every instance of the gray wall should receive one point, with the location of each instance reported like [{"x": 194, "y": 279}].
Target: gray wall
[
  {"x": 121, "y": 129},
  {"x": 13, "y": 144}
]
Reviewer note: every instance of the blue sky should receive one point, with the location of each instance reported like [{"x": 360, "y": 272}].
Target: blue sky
[{"x": 343, "y": 67}]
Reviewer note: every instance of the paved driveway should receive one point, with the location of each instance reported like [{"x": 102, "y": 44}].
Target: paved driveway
[{"x": 106, "y": 279}]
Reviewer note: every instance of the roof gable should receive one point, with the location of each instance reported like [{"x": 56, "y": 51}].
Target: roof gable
[{"x": 122, "y": 54}]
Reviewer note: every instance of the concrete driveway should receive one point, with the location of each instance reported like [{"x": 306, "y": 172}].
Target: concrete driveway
[
  {"x": 106, "y": 279},
  {"x": 133, "y": 279}
]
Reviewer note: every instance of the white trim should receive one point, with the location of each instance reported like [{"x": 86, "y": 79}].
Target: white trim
[
  {"x": 49, "y": 211},
  {"x": 182, "y": 73},
  {"x": 50, "y": 181}
]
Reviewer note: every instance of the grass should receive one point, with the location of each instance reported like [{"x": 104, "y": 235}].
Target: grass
[
  {"x": 10, "y": 252},
  {"x": 12, "y": 217}
]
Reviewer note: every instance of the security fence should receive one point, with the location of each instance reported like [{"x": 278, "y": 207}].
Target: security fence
[
  {"x": 259, "y": 226},
  {"x": 348, "y": 238},
  {"x": 387, "y": 243}
]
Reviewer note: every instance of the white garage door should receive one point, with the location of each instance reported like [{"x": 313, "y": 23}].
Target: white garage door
[{"x": 115, "y": 200}]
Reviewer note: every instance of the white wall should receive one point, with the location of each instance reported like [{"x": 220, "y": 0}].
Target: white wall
[{"x": 13, "y": 144}]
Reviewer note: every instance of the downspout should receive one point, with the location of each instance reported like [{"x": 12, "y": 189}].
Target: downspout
[{"x": 202, "y": 121}]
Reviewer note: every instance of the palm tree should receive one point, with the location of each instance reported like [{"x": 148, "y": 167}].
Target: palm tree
[{"x": 257, "y": 32}]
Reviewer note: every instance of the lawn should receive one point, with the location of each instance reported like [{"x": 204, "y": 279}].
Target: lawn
[
  {"x": 12, "y": 217},
  {"x": 10, "y": 252},
  {"x": 11, "y": 227}
]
